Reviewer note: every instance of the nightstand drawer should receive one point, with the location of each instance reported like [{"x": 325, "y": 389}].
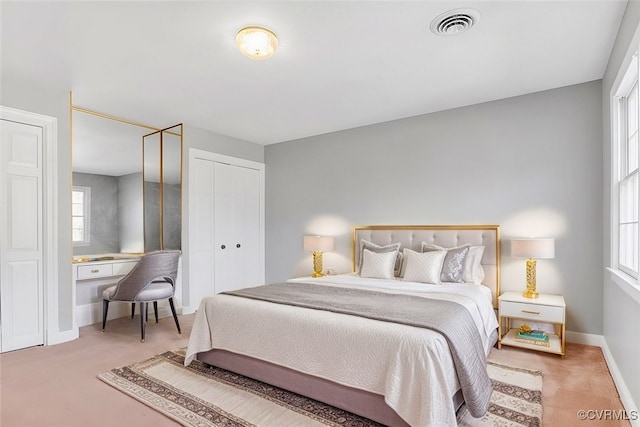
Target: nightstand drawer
[{"x": 543, "y": 313}]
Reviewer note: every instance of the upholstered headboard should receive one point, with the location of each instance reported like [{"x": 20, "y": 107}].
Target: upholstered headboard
[{"x": 447, "y": 236}]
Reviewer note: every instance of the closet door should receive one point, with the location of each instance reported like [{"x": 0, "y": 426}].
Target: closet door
[
  {"x": 201, "y": 242},
  {"x": 21, "y": 241},
  {"x": 226, "y": 224},
  {"x": 236, "y": 227}
]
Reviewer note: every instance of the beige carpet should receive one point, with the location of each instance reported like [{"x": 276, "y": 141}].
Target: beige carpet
[{"x": 202, "y": 396}]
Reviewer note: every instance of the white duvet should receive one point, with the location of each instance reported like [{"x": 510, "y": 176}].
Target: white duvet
[{"x": 411, "y": 367}]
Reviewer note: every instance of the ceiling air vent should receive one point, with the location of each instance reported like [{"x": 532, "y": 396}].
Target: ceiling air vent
[{"x": 454, "y": 22}]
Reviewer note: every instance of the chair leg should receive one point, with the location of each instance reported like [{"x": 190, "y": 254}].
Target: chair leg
[
  {"x": 133, "y": 309},
  {"x": 105, "y": 309},
  {"x": 143, "y": 320},
  {"x": 146, "y": 312},
  {"x": 175, "y": 316},
  {"x": 155, "y": 310}
]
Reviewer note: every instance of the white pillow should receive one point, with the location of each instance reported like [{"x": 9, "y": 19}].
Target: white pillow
[
  {"x": 378, "y": 265},
  {"x": 395, "y": 247},
  {"x": 472, "y": 271},
  {"x": 424, "y": 267}
]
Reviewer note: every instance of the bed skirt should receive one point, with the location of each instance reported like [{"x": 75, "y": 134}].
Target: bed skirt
[{"x": 359, "y": 402}]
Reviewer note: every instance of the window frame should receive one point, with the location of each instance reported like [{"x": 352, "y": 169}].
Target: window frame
[
  {"x": 627, "y": 173},
  {"x": 86, "y": 209}
]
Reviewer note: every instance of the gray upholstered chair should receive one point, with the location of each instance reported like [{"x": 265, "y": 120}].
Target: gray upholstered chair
[{"x": 151, "y": 280}]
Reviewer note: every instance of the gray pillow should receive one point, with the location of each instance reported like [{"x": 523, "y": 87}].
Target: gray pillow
[{"x": 453, "y": 266}]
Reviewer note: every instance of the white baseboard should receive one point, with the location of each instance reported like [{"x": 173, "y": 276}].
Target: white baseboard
[
  {"x": 623, "y": 391},
  {"x": 188, "y": 310},
  {"x": 59, "y": 337},
  {"x": 621, "y": 385},
  {"x": 587, "y": 339},
  {"x": 88, "y": 314}
]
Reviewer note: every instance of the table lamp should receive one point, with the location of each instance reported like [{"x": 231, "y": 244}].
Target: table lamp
[
  {"x": 318, "y": 244},
  {"x": 532, "y": 249}
]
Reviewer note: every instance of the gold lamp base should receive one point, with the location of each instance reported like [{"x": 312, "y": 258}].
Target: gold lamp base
[
  {"x": 531, "y": 280},
  {"x": 317, "y": 264}
]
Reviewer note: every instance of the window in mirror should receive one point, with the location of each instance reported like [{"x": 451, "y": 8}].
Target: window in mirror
[{"x": 80, "y": 208}]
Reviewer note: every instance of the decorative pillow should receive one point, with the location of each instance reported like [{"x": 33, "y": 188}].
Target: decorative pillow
[
  {"x": 395, "y": 247},
  {"x": 378, "y": 265},
  {"x": 424, "y": 267},
  {"x": 472, "y": 271}
]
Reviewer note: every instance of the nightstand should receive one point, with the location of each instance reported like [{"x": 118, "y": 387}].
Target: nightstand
[{"x": 544, "y": 309}]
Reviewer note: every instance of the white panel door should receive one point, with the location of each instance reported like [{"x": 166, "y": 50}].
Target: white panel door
[
  {"x": 226, "y": 224},
  {"x": 225, "y": 192},
  {"x": 201, "y": 243},
  {"x": 237, "y": 227},
  {"x": 246, "y": 246},
  {"x": 21, "y": 245}
]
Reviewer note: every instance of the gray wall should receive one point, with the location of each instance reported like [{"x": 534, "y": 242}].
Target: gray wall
[
  {"x": 151, "y": 216},
  {"x": 621, "y": 309},
  {"x": 531, "y": 164},
  {"x": 103, "y": 219},
  {"x": 171, "y": 216}
]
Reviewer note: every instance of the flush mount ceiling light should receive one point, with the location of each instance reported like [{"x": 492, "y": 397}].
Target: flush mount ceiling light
[
  {"x": 454, "y": 22},
  {"x": 257, "y": 42}
]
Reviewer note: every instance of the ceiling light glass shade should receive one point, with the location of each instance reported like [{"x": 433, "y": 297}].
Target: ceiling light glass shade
[{"x": 257, "y": 42}]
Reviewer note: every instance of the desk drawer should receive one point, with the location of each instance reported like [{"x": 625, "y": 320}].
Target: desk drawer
[
  {"x": 122, "y": 268},
  {"x": 94, "y": 271},
  {"x": 543, "y": 313}
]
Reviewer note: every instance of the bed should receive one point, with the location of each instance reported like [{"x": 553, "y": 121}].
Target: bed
[{"x": 397, "y": 374}]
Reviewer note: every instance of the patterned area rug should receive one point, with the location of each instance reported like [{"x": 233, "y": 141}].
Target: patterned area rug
[{"x": 204, "y": 396}]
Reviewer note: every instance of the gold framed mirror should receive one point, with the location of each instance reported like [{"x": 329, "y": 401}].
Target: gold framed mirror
[
  {"x": 108, "y": 159},
  {"x": 162, "y": 188}
]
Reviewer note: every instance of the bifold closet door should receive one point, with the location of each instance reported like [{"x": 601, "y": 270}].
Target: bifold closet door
[
  {"x": 236, "y": 227},
  {"x": 225, "y": 226},
  {"x": 21, "y": 241},
  {"x": 201, "y": 241}
]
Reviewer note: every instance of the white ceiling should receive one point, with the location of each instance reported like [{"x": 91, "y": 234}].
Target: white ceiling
[{"x": 339, "y": 64}]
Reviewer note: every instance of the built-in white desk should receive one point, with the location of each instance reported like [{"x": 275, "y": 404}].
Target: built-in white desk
[{"x": 91, "y": 276}]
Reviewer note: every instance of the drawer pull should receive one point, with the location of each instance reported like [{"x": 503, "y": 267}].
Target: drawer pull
[{"x": 530, "y": 312}]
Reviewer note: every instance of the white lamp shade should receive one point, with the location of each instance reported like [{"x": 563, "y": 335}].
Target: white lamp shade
[
  {"x": 318, "y": 243},
  {"x": 533, "y": 248}
]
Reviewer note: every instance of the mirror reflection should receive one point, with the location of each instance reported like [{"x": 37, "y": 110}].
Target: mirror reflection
[
  {"x": 162, "y": 157},
  {"x": 151, "y": 191},
  {"x": 172, "y": 187},
  {"x": 116, "y": 186}
]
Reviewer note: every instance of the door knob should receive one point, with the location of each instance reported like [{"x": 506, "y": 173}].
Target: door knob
[
  {"x": 223, "y": 247},
  {"x": 238, "y": 245}
]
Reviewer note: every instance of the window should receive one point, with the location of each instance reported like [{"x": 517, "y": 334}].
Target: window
[
  {"x": 626, "y": 159},
  {"x": 80, "y": 218}
]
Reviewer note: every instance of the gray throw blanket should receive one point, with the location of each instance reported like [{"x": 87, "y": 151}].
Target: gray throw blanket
[{"x": 448, "y": 318}]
